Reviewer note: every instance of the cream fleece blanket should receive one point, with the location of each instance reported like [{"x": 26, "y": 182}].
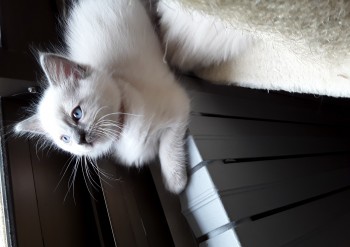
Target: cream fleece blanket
[{"x": 297, "y": 46}]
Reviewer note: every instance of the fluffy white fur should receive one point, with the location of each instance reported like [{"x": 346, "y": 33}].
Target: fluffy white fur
[
  {"x": 296, "y": 46},
  {"x": 133, "y": 108}
]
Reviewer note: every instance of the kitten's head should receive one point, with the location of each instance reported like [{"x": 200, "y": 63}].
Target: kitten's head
[{"x": 80, "y": 111}]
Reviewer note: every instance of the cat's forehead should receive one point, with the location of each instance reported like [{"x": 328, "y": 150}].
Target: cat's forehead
[
  {"x": 60, "y": 102},
  {"x": 56, "y": 99}
]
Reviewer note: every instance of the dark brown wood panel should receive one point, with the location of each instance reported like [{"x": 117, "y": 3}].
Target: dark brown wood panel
[
  {"x": 284, "y": 228},
  {"x": 43, "y": 214},
  {"x": 231, "y": 101},
  {"x": 134, "y": 209},
  {"x": 26, "y": 26}
]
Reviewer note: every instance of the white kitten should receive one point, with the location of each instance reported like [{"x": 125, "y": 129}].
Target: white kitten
[{"x": 111, "y": 93}]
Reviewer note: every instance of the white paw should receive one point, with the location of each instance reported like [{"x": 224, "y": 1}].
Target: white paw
[{"x": 175, "y": 182}]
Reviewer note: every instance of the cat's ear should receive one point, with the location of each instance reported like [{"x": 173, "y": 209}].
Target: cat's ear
[
  {"x": 29, "y": 125},
  {"x": 60, "y": 70}
]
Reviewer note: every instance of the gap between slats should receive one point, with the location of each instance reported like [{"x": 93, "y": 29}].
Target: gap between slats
[
  {"x": 212, "y": 115},
  {"x": 267, "y": 158},
  {"x": 268, "y": 213}
]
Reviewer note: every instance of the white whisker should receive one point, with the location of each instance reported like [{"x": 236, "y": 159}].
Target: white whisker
[
  {"x": 69, "y": 161},
  {"x": 92, "y": 181},
  {"x": 101, "y": 172},
  {"x": 119, "y": 113},
  {"x": 72, "y": 178},
  {"x": 85, "y": 178},
  {"x": 111, "y": 125},
  {"x": 95, "y": 115}
]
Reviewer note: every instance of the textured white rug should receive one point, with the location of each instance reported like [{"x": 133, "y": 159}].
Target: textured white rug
[{"x": 297, "y": 46}]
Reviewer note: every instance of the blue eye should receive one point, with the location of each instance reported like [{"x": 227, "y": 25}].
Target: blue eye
[
  {"x": 65, "y": 138},
  {"x": 77, "y": 113}
]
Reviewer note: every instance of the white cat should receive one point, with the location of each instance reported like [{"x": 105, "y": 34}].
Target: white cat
[{"x": 111, "y": 93}]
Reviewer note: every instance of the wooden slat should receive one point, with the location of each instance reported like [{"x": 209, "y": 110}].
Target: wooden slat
[
  {"x": 55, "y": 208},
  {"x": 238, "y": 205},
  {"x": 241, "y": 102},
  {"x": 251, "y": 174},
  {"x": 246, "y": 174},
  {"x": 125, "y": 233},
  {"x": 227, "y": 127},
  {"x": 134, "y": 211},
  {"x": 251, "y": 147},
  {"x": 289, "y": 154},
  {"x": 25, "y": 206},
  {"x": 282, "y": 228},
  {"x": 335, "y": 234},
  {"x": 242, "y": 190},
  {"x": 43, "y": 216},
  {"x": 251, "y": 201},
  {"x": 222, "y": 138}
]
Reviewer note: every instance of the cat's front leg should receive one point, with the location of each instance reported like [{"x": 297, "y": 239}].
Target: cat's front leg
[{"x": 173, "y": 158}]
